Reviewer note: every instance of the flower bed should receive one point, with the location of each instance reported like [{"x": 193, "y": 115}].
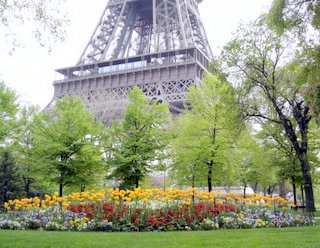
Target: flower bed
[{"x": 149, "y": 210}]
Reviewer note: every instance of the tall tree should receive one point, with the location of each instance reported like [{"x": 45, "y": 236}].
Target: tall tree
[
  {"x": 290, "y": 14},
  {"x": 211, "y": 124},
  {"x": 302, "y": 19},
  {"x": 188, "y": 163},
  {"x": 284, "y": 155},
  {"x": 8, "y": 110},
  {"x": 139, "y": 139},
  {"x": 262, "y": 64},
  {"x": 23, "y": 147},
  {"x": 66, "y": 144},
  {"x": 10, "y": 185},
  {"x": 252, "y": 162}
]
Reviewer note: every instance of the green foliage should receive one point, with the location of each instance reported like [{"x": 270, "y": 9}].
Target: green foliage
[
  {"x": 289, "y": 14},
  {"x": 284, "y": 157},
  {"x": 314, "y": 149},
  {"x": 316, "y": 16},
  {"x": 23, "y": 145},
  {"x": 187, "y": 149},
  {"x": 8, "y": 111},
  {"x": 65, "y": 144},
  {"x": 139, "y": 140},
  {"x": 10, "y": 183},
  {"x": 276, "y": 19},
  {"x": 264, "y": 66},
  {"x": 205, "y": 132},
  {"x": 308, "y": 74},
  {"x": 45, "y": 19},
  {"x": 295, "y": 18},
  {"x": 15, "y": 136},
  {"x": 252, "y": 161}
]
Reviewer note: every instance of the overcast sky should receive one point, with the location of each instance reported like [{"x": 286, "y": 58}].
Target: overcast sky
[{"x": 30, "y": 70}]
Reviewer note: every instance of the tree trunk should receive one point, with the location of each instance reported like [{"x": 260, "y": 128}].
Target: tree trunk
[
  {"x": 300, "y": 144},
  {"x": 308, "y": 189},
  {"x": 307, "y": 180},
  {"x": 63, "y": 171},
  {"x": 210, "y": 165},
  {"x": 255, "y": 187},
  {"x": 27, "y": 187},
  {"x": 193, "y": 185},
  {"x": 244, "y": 191},
  {"x": 5, "y": 179},
  {"x": 82, "y": 188},
  {"x": 302, "y": 195},
  {"x": 60, "y": 189},
  {"x": 282, "y": 189},
  {"x": 269, "y": 190},
  {"x": 294, "y": 188},
  {"x": 305, "y": 169},
  {"x": 137, "y": 175}
]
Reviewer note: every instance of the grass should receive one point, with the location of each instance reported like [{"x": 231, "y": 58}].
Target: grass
[{"x": 306, "y": 237}]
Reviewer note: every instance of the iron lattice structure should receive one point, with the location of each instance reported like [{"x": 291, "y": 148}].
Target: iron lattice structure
[{"x": 158, "y": 45}]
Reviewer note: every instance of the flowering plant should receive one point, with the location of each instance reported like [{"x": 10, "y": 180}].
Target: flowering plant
[{"x": 149, "y": 210}]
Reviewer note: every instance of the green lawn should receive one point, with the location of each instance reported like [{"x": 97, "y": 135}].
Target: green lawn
[{"x": 286, "y": 237}]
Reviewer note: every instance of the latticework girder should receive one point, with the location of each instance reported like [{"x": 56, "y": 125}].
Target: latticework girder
[
  {"x": 108, "y": 104},
  {"x": 134, "y": 27},
  {"x": 158, "y": 45}
]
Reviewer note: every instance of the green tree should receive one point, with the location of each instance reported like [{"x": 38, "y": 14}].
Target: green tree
[
  {"x": 289, "y": 14},
  {"x": 252, "y": 167},
  {"x": 261, "y": 63},
  {"x": 10, "y": 181},
  {"x": 45, "y": 19},
  {"x": 284, "y": 155},
  {"x": 23, "y": 147},
  {"x": 8, "y": 111},
  {"x": 138, "y": 140},
  {"x": 188, "y": 167},
  {"x": 297, "y": 17},
  {"x": 65, "y": 144},
  {"x": 10, "y": 185},
  {"x": 210, "y": 127}
]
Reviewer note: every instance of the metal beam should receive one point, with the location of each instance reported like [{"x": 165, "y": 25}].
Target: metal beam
[{"x": 158, "y": 45}]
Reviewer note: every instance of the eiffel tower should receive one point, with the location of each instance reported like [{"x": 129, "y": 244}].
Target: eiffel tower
[{"x": 158, "y": 45}]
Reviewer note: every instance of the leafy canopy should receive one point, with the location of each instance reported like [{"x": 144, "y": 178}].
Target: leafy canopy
[
  {"x": 44, "y": 19},
  {"x": 66, "y": 144},
  {"x": 264, "y": 65},
  {"x": 290, "y": 14},
  {"x": 8, "y": 111},
  {"x": 206, "y": 130},
  {"x": 139, "y": 140}
]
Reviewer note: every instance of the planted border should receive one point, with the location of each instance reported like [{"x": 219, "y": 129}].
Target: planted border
[{"x": 149, "y": 210}]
